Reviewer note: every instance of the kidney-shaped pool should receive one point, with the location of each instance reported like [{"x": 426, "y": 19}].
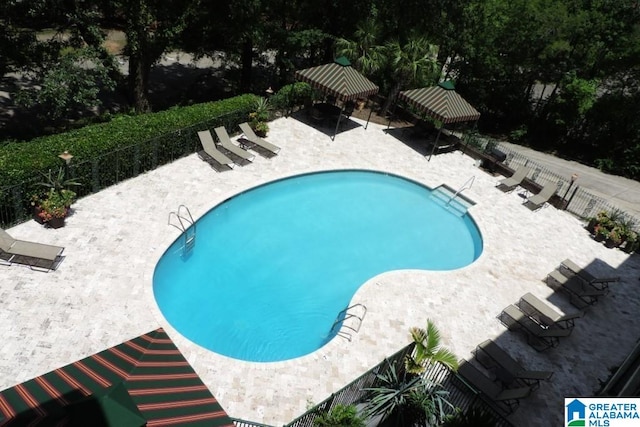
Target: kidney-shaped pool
[{"x": 273, "y": 267}]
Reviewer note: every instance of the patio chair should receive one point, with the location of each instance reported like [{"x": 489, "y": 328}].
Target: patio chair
[
  {"x": 264, "y": 148},
  {"x": 581, "y": 294},
  {"x": 505, "y": 399},
  {"x": 538, "y": 337},
  {"x": 514, "y": 180},
  {"x": 542, "y": 313},
  {"x": 236, "y": 152},
  {"x": 37, "y": 256},
  {"x": 568, "y": 268},
  {"x": 506, "y": 368},
  {"x": 538, "y": 200},
  {"x": 211, "y": 154}
]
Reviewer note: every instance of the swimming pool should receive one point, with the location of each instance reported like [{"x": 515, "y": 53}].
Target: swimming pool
[{"x": 273, "y": 266}]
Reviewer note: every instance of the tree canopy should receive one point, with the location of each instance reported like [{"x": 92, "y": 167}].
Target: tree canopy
[{"x": 560, "y": 75}]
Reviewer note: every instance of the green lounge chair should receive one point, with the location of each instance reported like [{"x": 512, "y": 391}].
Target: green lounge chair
[
  {"x": 538, "y": 337},
  {"x": 233, "y": 150},
  {"x": 542, "y": 313},
  {"x": 211, "y": 154},
  {"x": 516, "y": 179},
  {"x": 538, "y": 200},
  {"x": 37, "y": 256},
  {"x": 262, "y": 147},
  {"x": 581, "y": 294},
  {"x": 568, "y": 267},
  {"x": 505, "y": 399},
  {"x": 506, "y": 368}
]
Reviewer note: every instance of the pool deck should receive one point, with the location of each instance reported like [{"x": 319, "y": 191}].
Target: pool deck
[{"x": 101, "y": 295}]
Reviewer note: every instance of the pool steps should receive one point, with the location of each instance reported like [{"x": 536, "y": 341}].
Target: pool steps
[{"x": 451, "y": 199}]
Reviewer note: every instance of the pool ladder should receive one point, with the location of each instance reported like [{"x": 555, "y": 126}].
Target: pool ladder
[
  {"x": 186, "y": 225},
  {"x": 345, "y": 315},
  {"x": 468, "y": 183}
]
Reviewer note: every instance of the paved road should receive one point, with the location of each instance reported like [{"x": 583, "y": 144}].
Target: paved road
[{"x": 618, "y": 191}]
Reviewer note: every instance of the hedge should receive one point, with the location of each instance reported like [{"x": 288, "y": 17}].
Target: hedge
[{"x": 22, "y": 161}]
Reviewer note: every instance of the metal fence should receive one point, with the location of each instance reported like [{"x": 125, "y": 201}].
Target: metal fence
[
  {"x": 244, "y": 423},
  {"x": 576, "y": 200},
  {"x": 461, "y": 396},
  {"x": 114, "y": 167}
]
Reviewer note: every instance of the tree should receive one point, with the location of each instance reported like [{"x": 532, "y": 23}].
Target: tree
[
  {"x": 151, "y": 28},
  {"x": 428, "y": 350},
  {"x": 411, "y": 64},
  {"x": 67, "y": 85},
  {"x": 364, "y": 51}
]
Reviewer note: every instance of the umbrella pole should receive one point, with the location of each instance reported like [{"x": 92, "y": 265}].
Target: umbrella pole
[
  {"x": 369, "y": 117},
  {"x": 466, "y": 144},
  {"x": 333, "y": 138},
  {"x": 435, "y": 144}
]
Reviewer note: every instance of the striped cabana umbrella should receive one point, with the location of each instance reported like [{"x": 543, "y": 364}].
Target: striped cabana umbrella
[
  {"x": 442, "y": 103},
  {"x": 338, "y": 79},
  {"x": 162, "y": 385}
]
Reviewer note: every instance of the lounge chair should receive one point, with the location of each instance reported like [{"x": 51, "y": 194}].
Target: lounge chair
[
  {"x": 538, "y": 200},
  {"x": 516, "y": 179},
  {"x": 506, "y": 399},
  {"x": 538, "y": 337},
  {"x": 568, "y": 267},
  {"x": 581, "y": 294},
  {"x": 241, "y": 155},
  {"x": 264, "y": 148},
  {"x": 211, "y": 154},
  {"x": 542, "y": 313},
  {"x": 38, "y": 256},
  {"x": 506, "y": 368}
]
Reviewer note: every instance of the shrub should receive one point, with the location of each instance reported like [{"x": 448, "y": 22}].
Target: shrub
[
  {"x": 21, "y": 161},
  {"x": 290, "y": 96}
]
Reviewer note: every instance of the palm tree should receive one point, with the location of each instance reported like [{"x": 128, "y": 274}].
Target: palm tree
[
  {"x": 428, "y": 350},
  {"x": 364, "y": 51},
  {"x": 413, "y": 63}
]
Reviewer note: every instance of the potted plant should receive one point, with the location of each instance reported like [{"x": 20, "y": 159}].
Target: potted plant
[
  {"x": 55, "y": 207},
  {"x": 600, "y": 233},
  {"x": 258, "y": 119},
  {"x": 630, "y": 241},
  {"x": 614, "y": 238},
  {"x": 52, "y": 206}
]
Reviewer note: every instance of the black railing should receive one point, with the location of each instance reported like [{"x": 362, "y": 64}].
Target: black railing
[
  {"x": 244, "y": 423},
  {"x": 573, "y": 198},
  {"x": 461, "y": 396},
  {"x": 116, "y": 166}
]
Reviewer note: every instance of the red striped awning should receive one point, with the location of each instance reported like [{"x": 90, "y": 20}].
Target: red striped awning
[
  {"x": 440, "y": 102},
  {"x": 339, "y": 79},
  {"x": 163, "y": 386}
]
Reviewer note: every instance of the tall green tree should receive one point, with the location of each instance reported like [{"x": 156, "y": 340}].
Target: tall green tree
[{"x": 151, "y": 29}]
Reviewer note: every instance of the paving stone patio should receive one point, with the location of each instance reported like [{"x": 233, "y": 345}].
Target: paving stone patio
[{"x": 102, "y": 293}]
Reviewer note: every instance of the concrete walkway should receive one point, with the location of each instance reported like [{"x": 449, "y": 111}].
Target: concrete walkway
[{"x": 102, "y": 293}]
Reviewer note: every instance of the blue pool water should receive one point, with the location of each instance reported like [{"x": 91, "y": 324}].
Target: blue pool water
[{"x": 272, "y": 267}]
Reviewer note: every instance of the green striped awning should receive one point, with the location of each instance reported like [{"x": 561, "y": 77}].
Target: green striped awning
[
  {"x": 339, "y": 79},
  {"x": 440, "y": 102},
  {"x": 163, "y": 386}
]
